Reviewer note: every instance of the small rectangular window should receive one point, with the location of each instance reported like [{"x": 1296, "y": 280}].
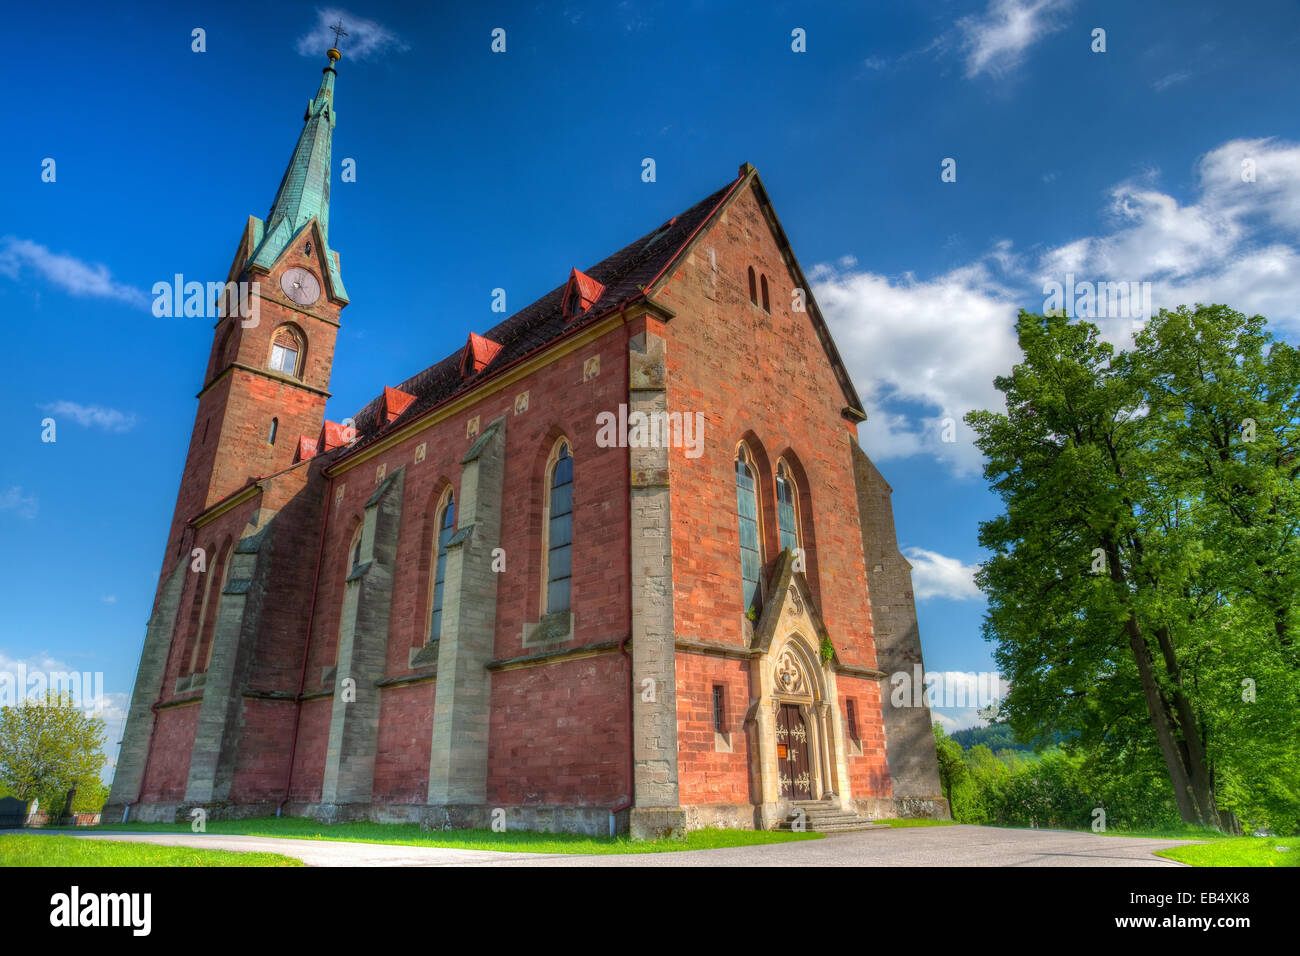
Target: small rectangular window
[
  {"x": 719, "y": 709},
  {"x": 851, "y": 714}
]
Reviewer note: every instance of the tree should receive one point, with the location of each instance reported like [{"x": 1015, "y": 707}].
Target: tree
[
  {"x": 47, "y": 747},
  {"x": 952, "y": 768},
  {"x": 1146, "y": 558}
]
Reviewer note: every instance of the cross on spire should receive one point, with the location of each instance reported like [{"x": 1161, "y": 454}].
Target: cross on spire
[{"x": 339, "y": 32}]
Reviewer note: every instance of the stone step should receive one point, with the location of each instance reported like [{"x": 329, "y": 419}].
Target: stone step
[
  {"x": 848, "y": 827},
  {"x": 826, "y": 816}
]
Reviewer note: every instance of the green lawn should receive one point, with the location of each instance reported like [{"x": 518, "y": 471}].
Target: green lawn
[
  {"x": 1239, "y": 851},
  {"x": 28, "y": 849},
  {"x": 515, "y": 841}
]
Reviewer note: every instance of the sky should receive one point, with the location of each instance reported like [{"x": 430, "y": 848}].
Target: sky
[{"x": 934, "y": 166}]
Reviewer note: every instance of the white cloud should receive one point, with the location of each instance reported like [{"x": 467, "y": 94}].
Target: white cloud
[
  {"x": 1173, "y": 79},
  {"x": 922, "y": 352},
  {"x": 83, "y": 279},
  {"x": 91, "y": 416},
  {"x": 1233, "y": 244},
  {"x": 995, "y": 42},
  {"x": 953, "y": 719},
  {"x": 23, "y": 505},
  {"x": 365, "y": 38},
  {"x": 936, "y": 576},
  {"x": 936, "y": 345}
]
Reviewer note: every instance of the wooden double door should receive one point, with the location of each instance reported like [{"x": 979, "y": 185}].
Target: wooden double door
[{"x": 793, "y": 743}]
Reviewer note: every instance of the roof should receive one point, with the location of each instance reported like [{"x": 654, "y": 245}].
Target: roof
[
  {"x": 628, "y": 274},
  {"x": 624, "y": 275}
]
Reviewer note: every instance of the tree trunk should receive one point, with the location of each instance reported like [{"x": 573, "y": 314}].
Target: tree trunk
[
  {"x": 1188, "y": 807},
  {"x": 1198, "y": 768}
]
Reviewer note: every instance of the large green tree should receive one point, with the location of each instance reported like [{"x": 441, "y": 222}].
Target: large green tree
[
  {"x": 1144, "y": 570},
  {"x": 47, "y": 747}
]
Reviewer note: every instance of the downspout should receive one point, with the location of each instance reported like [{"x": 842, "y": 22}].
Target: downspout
[
  {"x": 622, "y": 645},
  {"x": 306, "y": 647}
]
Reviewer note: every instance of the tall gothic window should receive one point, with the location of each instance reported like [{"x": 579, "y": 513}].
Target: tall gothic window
[
  {"x": 446, "y": 528},
  {"x": 747, "y": 513},
  {"x": 763, "y": 283},
  {"x": 558, "y": 573},
  {"x": 216, "y": 583},
  {"x": 354, "y": 549},
  {"x": 787, "y": 507},
  {"x": 753, "y": 287}
]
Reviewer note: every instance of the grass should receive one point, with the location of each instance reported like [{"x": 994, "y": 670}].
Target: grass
[
  {"x": 27, "y": 849},
  {"x": 1238, "y": 851},
  {"x": 510, "y": 841},
  {"x": 915, "y": 822}
]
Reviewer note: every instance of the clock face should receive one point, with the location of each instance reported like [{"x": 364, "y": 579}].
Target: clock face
[{"x": 300, "y": 285}]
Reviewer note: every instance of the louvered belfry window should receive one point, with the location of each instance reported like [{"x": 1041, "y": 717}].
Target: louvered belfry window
[
  {"x": 747, "y": 513},
  {"x": 559, "y": 542}
]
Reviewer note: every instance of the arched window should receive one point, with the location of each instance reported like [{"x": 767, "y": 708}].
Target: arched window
[
  {"x": 216, "y": 583},
  {"x": 751, "y": 560},
  {"x": 753, "y": 287},
  {"x": 275, "y": 426},
  {"x": 558, "y": 572},
  {"x": 354, "y": 549},
  {"x": 787, "y": 507},
  {"x": 286, "y": 350},
  {"x": 763, "y": 282},
  {"x": 446, "y": 527}
]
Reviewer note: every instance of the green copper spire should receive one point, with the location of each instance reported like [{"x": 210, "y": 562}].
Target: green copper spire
[{"x": 304, "y": 192}]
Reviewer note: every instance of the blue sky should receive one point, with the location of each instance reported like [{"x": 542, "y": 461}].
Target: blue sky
[{"x": 478, "y": 170}]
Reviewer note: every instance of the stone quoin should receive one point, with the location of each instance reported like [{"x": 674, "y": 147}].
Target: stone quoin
[{"x": 458, "y": 601}]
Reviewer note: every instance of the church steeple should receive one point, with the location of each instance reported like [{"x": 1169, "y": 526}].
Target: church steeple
[{"x": 304, "y": 192}]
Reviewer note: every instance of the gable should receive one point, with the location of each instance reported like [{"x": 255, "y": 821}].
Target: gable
[{"x": 750, "y": 189}]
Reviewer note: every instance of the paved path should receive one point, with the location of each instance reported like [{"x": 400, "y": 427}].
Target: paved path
[{"x": 908, "y": 846}]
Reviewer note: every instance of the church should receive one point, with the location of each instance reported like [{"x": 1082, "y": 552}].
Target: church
[{"x": 617, "y": 565}]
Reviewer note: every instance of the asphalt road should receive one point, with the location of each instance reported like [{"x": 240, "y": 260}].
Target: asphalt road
[{"x": 911, "y": 846}]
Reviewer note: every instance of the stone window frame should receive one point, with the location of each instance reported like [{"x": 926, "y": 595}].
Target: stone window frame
[
  {"x": 552, "y": 462},
  {"x": 721, "y": 735},
  {"x": 211, "y": 606},
  {"x": 448, "y": 497},
  {"x": 784, "y": 474},
  {"x": 352, "y": 564},
  {"x": 198, "y": 613},
  {"x": 552, "y": 626},
  {"x": 300, "y": 346},
  {"x": 744, "y": 453}
]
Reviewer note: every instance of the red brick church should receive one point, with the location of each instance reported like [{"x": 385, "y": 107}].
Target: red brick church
[{"x": 618, "y": 562}]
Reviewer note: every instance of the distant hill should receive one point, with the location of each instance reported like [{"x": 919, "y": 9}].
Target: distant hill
[{"x": 995, "y": 736}]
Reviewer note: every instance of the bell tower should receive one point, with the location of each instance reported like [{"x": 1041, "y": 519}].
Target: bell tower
[{"x": 268, "y": 373}]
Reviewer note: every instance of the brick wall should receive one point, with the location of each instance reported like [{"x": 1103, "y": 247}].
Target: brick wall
[
  {"x": 402, "y": 750},
  {"x": 169, "y": 761},
  {"x": 706, "y": 775},
  {"x": 559, "y": 734}
]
